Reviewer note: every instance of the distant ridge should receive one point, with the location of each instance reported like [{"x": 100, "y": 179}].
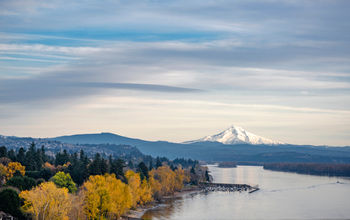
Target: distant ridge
[
  {"x": 235, "y": 145},
  {"x": 236, "y": 135},
  {"x": 98, "y": 138}
]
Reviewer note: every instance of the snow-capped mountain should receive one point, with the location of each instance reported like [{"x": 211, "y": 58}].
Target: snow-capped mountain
[{"x": 236, "y": 135}]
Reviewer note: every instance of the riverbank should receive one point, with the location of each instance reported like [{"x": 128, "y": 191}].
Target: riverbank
[
  {"x": 140, "y": 211},
  {"x": 319, "y": 169}
]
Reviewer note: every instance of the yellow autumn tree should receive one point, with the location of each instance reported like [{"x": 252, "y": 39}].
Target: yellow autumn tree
[
  {"x": 145, "y": 192},
  {"x": 181, "y": 177},
  {"x": 134, "y": 182},
  {"x": 155, "y": 185},
  {"x": 12, "y": 167},
  {"x": 166, "y": 177},
  {"x": 46, "y": 201},
  {"x": 105, "y": 197}
]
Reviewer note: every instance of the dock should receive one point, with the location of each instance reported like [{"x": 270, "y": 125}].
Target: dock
[{"x": 227, "y": 187}]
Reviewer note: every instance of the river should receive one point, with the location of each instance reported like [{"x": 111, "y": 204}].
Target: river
[{"x": 282, "y": 195}]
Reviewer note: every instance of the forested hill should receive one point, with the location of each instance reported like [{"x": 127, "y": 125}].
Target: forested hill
[{"x": 53, "y": 146}]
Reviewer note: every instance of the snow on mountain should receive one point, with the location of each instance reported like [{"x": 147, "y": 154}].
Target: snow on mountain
[{"x": 236, "y": 135}]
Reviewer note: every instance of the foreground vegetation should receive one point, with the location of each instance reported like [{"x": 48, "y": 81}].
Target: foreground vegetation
[
  {"x": 73, "y": 186},
  {"x": 323, "y": 169}
]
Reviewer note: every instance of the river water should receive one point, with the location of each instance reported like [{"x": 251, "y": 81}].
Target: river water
[{"x": 282, "y": 195}]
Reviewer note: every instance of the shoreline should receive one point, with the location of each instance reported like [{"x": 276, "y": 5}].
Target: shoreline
[{"x": 140, "y": 211}]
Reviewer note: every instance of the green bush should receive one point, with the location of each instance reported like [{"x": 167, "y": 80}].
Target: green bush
[
  {"x": 21, "y": 182},
  {"x": 10, "y": 202}
]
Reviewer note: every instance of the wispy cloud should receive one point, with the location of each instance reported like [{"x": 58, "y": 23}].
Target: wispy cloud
[{"x": 266, "y": 55}]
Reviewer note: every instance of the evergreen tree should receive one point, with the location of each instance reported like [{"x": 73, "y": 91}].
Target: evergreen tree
[
  {"x": 84, "y": 162},
  {"x": 10, "y": 203},
  {"x": 158, "y": 162},
  {"x": 117, "y": 167},
  {"x": 62, "y": 158},
  {"x": 3, "y": 151},
  {"x": 30, "y": 158},
  {"x": 104, "y": 166},
  {"x": 150, "y": 165},
  {"x": 21, "y": 157},
  {"x": 12, "y": 155},
  {"x": 21, "y": 182},
  {"x": 39, "y": 159},
  {"x": 142, "y": 168},
  {"x": 130, "y": 164},
  {"x": 44, "y": 157},
  {"x": 95, "y": 167},
  {"x": 77, "y": 169}
]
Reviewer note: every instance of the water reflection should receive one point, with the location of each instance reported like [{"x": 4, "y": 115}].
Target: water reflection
[
  {"x": 166, "y": 210},
  {"x": 282, "y": 196}
]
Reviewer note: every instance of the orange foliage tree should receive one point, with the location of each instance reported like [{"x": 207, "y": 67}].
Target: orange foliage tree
[{"x": 164, "y": 181}]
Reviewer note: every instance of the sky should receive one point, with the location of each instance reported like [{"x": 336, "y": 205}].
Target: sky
[{"x": 176, "y": 70}]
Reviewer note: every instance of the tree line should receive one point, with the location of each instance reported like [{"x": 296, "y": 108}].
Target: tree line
[
  {"x": 74, "y": 186},
  {"x": 323, "y": 169}
]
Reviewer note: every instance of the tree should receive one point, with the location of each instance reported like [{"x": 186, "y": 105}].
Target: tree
[
  {"x": 130, "y": 164},
  {"x": 31, "y": 158},
  {"x": 10, "y": 202},
  {"x": 62, "y": 179},
  {"x": 12, "y": 167},
  {"x": 117, "y": 167},
  {"x": 21, "y": 157},
  {"x": 150, "y": 165},
  {"x": 105, "y": 197},
  {"x": 46, "y": 201},
  {"x": 180, "y": 178},
  {"x": 167, "y": 179},
  {"x": 3, "y": 151},
  {"x": 61, "y": 158},
  {"x": 95, "y": 168},
  {"x": 146, "y": 194},
  {"x": 155, "y": 185},
  {"x": 22, "y": 182},
  {"x": 158, "y": 162},
  {"x": 142, "y": 168},
  {"x": 12, "y": 155},
  {"x": 134, "y": 182}
]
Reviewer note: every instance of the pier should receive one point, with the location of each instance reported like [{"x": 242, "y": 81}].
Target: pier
[{"x": 227, "y": 187}]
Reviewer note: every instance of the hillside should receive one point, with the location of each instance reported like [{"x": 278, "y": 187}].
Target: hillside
[{"x": 208, "y": 151}]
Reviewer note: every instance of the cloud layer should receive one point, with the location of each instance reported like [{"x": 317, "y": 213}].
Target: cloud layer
[{"x": 275, "y": 57}]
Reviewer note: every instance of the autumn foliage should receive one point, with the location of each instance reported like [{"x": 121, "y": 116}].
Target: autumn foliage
[
  {"x": 46, "y": 201},
  {"x": 79, "y": 188},
  {"x": 105, "y": 197},
  {"x": 12, "y": 167}
]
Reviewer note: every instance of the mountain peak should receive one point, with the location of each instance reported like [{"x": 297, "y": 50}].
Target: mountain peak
[{"x": 237, "y": 135}]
